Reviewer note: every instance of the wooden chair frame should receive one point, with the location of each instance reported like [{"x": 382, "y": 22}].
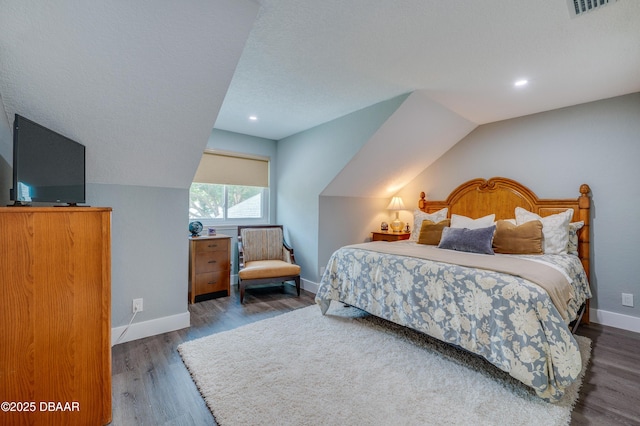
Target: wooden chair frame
[{"x": 243, "y": 284}]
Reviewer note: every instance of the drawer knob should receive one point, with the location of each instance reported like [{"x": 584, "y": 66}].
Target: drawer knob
[
  {"x": 213, "y": 245},
  {"x": 212, "y": 261},
  {"x": 212, "y": 282}
]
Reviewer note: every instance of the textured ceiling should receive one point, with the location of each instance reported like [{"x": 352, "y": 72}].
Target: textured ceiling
[
  {"x": 138, "y": 82},
  {"x": 307, "y": 62}
]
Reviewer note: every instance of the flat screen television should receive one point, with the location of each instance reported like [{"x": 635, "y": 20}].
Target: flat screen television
[{"x": 47, "y": 167}]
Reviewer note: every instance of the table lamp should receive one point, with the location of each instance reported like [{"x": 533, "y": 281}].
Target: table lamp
[{"x": 396, "y": 204}]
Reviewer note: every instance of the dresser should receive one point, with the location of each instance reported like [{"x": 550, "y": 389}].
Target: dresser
[
  {"x": 209, "y": 267},
  {"x": 55, "y": 315}
]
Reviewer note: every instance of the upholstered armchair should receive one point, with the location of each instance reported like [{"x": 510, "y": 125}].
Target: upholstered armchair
[{"x": 264, "y": 257}]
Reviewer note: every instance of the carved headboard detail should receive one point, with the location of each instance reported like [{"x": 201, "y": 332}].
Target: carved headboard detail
[{"x": 499, "y": 195}]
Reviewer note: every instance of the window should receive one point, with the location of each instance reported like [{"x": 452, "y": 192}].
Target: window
[
  {"x": 228, "y": 202},
  {"x": 228, "y": 188}
]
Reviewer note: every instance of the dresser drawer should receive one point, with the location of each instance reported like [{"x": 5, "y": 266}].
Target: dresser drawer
[
  {"x": 211, "y": 261},
  {"x": 212, "y": 245},
  {"x": 209, "y": 267},
  {"x": 212, "y": 281}
]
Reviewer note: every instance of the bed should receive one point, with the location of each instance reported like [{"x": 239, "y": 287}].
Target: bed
[{"x": 514, "y": 305}]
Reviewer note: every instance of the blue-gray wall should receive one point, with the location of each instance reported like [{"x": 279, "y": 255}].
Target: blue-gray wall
[
  {"x": 553, "y": 153},
  {"x": 307, "y": 163},
  {"x": 149, "y": 249},
  {"x": 348, "y": 220}
]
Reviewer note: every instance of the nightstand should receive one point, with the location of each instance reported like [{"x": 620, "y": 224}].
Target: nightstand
[
  {"x": 209, "y": 266},
  {"x": 389, "y": 236}
]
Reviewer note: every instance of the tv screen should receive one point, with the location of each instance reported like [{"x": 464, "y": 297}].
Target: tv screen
[{"x": 47, "y": 167}]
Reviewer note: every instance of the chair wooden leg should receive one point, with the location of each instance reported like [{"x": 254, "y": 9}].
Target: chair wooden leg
[
  {"x": 298, "y": 285},
  {"x": 241, "y": 285}
]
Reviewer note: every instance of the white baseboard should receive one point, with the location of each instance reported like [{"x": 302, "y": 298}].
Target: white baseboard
[
  {"x": 139, "y": 330},
  {"x": 309, "y": 286},
  {"x": 613, "y": 319}
]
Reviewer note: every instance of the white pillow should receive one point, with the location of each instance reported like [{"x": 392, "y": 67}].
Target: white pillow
[
  {"x": 574, "y": 227},
  {"x": 555, "y": 229},
  {"x": 459, "y": 221},
  {"x": 419, "y": 216}
]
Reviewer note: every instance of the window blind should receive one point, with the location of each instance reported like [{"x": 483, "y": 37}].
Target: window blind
[{"x": 228, "y": 169}]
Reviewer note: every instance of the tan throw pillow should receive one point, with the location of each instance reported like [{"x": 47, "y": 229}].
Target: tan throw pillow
[
  {"x": 430, "y": 232},
  {"x": 555, "y": 229},
  {"x": 523, "y": 239},
  {"x": 420, "y": 216}
]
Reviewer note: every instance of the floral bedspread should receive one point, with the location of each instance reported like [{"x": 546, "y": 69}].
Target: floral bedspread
[{"x": 509, "y": 321}]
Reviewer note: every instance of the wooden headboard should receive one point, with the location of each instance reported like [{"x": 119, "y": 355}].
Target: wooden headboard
[{"x": 480, "y": 197}]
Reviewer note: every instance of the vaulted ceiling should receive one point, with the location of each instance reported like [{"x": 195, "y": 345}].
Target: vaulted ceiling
[
  {"x": 140, "y": 82},
  {"x": 143, "y": 82},
  {"x": 307, "y": 62}
]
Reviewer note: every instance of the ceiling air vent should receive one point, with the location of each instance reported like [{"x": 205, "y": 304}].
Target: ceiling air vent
[{"x": 580, "y": 7}]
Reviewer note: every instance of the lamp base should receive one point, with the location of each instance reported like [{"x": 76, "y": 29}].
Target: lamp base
[{"x": 396, "y": 225}]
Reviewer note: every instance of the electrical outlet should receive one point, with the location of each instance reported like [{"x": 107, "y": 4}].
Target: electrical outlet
[
  {"x": 137, "y": 305},
  {"x": 627, "y": 299}
]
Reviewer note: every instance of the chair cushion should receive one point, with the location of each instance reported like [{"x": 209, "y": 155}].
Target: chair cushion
[
  {"x": 267, "y": 269},
  {"x": 262, "y": 244}
]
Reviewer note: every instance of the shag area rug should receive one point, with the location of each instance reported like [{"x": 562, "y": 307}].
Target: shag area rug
[{"x": 350, "y": 368}]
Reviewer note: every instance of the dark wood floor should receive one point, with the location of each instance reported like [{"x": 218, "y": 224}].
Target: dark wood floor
[
  {"x": 151, "y": 385},
  {"x": 610, "y": 393}
]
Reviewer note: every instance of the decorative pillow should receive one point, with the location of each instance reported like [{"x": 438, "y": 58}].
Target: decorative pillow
[
  {"x": 419, "y": 216},
  {"x": 572, "y": 246},
  {"x": 523, "y": 239},
  {"x": 469, "y": 240},
  {"x": 430, "y": 232},
  {"x": 459, "y": 221},
  {"x": 555, "y": 229}
]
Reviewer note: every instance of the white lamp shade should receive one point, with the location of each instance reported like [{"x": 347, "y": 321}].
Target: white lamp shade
[{"x": 396, "y": 204}]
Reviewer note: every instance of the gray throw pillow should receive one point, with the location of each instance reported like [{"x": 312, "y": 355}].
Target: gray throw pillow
[{"x": 469, "y": 240}]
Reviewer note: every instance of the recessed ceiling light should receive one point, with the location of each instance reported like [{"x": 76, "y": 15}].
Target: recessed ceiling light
[
  {"x": 253, "y": 118},
  {"x": 521, "y": 83}
]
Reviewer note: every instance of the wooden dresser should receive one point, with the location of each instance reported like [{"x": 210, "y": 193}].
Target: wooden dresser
[
  {"x": 55, "y": 315},
  {"x": 209, "y": 266}
]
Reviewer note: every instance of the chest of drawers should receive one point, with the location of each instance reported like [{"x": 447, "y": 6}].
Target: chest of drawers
[
  {"x": 55, "y": 315},
  {"x": 209, "y": 266}
]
